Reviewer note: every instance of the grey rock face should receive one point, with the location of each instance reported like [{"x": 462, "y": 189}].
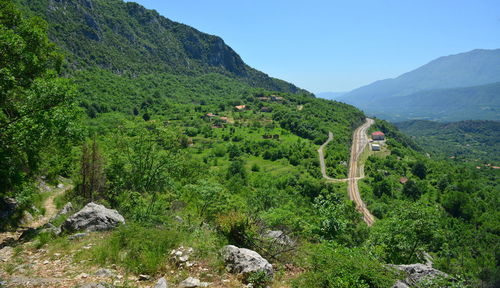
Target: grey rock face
[
  {"x": 416, "y": 273},
  {"x": 161, "y": 283},
  {"x": 93, "y": 217},
  {"x": 244, "y": 261},
  {"x": 103, "y": 272}
]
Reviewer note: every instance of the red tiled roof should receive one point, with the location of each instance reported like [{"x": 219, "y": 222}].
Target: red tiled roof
[{"x": 378, "y": 133}]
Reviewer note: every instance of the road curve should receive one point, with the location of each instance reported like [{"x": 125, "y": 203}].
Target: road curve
[{"x": 359, "y": 142}]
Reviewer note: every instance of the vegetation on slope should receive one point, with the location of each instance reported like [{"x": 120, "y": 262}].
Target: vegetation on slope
[
  {"x": 156, "y": 147},
  {"x": 475, "y": 141}
]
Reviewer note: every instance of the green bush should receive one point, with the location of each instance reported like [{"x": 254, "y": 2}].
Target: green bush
[
  {"x": 139, "y": 249},
  {"x": 332, "y": 266}
]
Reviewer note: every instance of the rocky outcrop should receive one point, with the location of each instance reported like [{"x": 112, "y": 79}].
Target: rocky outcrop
[
  {"x": 93, "y": 217},
  {"x": 245, "y": 261},
  {"x": 416, "y": 273}
]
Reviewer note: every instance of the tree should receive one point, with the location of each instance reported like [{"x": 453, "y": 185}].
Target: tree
[
  {"x": 412, "y": 190},
  {"x": 92, "y": 174},
  {"x": 419, "y": 169},
  {"x": 408, "y": 230},
  {"x": 35, "y": 104}
]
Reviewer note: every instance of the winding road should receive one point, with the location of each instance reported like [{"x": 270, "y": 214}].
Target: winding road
[{"x": 359, "y": 142}]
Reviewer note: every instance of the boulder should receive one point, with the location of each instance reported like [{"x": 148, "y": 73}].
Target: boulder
[
  {"x": 161, "y": 283},
  {"x": 180, "y": 256},
  {"x": 93, "y": 217},
  {"x": 245, "y": 261},
  {"x": 416, "y": 273}
]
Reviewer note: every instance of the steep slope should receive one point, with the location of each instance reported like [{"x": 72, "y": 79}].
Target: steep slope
[
  {"x": 455, "y": 104},
  {"x": 477, "y": 67},
  {"x": 128, "y": 39}
]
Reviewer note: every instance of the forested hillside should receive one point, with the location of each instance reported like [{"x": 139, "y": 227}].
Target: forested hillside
[
  {"x": 476, "y": 141},
  {"x": 129, "y": 40},
  {"x": 198, "y": 157}
]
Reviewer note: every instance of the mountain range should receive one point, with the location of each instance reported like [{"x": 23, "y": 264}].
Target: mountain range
[{"x": 447, "y": 89}]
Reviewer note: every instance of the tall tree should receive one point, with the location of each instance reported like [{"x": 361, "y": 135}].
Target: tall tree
[{"x": 35, "y": 104}]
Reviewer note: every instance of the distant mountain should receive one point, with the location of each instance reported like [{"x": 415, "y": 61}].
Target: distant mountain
[
  {"x": 330, "y": 95},
  {"x": 474, "y": 68},
  {"x": 464, "y": 140},
  {"x": 128, "y": 39}
]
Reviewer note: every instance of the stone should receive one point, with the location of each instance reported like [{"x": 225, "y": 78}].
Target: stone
[
  {"x": 95, "y": 285},
  {"x": 103, "y": 272},
  {"x": 6, "y": 253},
  {"x": 400, "y": 284},
  {"x": 27, "y": 218},
  {"x": 180, "y": 256},
  {"x": 60, "y": 186},
  {"x": 50, "y": 228},
  {"x": 245, "y": 261},
  {"x": 77, "y": 236},
  {"x": 66, "y": 209},
  {"x": 161, "y": 283},
  {"x": 144, "y": 277},
  {"x": 416, "y": 273},
  {"x": 93, "y": 217},
  {"x": 190, "y": 282},
  {"x": 279, "y": 237}
]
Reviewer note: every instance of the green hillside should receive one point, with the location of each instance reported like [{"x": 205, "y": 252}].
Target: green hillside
[
  {"x": 204, "y": 155},
  {"x": 128, "y": 40},
  {"x": 476, "y": 141}
]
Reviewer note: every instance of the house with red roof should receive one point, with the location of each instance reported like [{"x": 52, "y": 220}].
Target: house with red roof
[{"x": 378, "y": 135}]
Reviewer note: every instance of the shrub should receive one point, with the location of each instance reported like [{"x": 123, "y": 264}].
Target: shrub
[
  {"x": 331, "y": 266},
  {"x": 139, "y": 249}
]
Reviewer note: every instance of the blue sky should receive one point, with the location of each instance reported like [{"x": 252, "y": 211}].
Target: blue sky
[{"x": 330, "y": 45}]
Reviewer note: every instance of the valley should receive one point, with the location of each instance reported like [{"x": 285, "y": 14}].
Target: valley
[{"x": 137, "y": 151}]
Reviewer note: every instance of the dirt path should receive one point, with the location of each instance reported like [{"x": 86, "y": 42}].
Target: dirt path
[
  {"x": 359, "y": 142},
  {"x": 50, "y": 206}
]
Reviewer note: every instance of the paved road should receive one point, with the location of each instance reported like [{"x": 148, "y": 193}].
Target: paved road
[{"x": 359, "y": 142}]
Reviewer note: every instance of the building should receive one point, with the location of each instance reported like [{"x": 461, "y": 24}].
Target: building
[
  {"x": 378, "y": 135},
  {"x": 240, "y": 107},
  {"x": 375, "y": 147},
  {"x": 224, "y": 119}
]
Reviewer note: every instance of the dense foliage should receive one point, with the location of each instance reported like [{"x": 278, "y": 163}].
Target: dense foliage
[
  {"x": 427, "y": 205},
  {"x": 199, "y": 157},
  {"x": 35, "y": 104},
  {"x": 468, "y": 141}
]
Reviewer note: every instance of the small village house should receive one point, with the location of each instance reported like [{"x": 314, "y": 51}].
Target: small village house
[
  {"x": 375, "y": 147},
  {"x": 378, "y": 135},
  {"x": 240, "y": 107}
]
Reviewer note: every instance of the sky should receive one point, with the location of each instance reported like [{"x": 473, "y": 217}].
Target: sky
[{"x": 332, "y": 45}]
